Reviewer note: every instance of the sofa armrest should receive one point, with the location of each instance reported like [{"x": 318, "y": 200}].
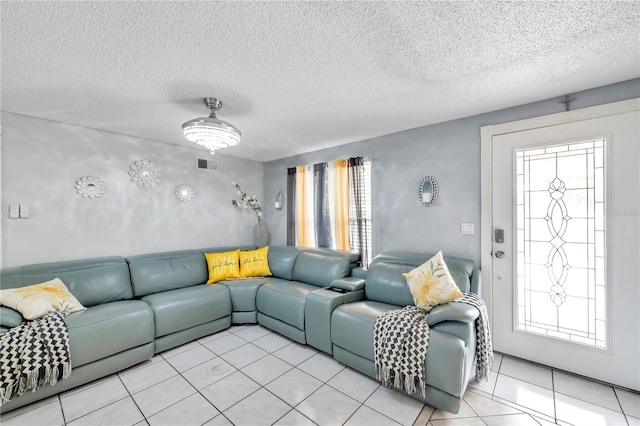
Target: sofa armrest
[
  {"x": 452, "y": 312},
  {"x": 476, "y": 282},
  {"x": 359, "y": 272},
  {"x": 10, "y": 318},
  {"x": 318, "y": 308},
  {"x": 347, "y": 284}
]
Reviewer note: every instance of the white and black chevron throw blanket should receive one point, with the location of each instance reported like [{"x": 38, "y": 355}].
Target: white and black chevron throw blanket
[
  {"x": 401, "y": 339},
  {"x": 33, "y": 354},
  {"x": 484, "y": 344}
]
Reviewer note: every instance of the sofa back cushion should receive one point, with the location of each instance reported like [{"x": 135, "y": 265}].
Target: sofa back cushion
[
  {"x": 91, "y": 281},
  {"x": 320, "y": 269},
  {"x": 226, "y": 248},
  {"x": 282, "y": 259},
  {"x": 352, "y": 258},
  {"x": 153, "y": 273},
  {"x": 385, "y": 282}
]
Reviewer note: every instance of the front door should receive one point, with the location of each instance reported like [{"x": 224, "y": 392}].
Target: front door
[{"x": 565, "y": 231}]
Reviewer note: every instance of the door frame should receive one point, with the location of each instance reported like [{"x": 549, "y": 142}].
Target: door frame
[{"x": 486, "y": 173}]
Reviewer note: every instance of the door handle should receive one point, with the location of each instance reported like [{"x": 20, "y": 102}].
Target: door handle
[{"x": 499, "y": 254}]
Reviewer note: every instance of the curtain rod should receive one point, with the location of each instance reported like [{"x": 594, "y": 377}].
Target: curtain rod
[{"x": 364, "y": 158}]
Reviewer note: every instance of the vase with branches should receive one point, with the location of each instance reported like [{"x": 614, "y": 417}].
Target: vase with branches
[{"x": 260, "y": 231}]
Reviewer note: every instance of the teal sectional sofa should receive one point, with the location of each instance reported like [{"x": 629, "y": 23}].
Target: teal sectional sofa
[{"x": 142, "y": 305}]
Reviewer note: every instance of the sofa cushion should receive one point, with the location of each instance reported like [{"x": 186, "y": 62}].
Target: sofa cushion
[
  {"x": 447, "y": 360},
  {"x": 91, "y": 281},
  {"x": 352, "y": 326},
  {"x": 254, "y": 263},
  {"x": 431, "y": 283},
  {"x": 158, "y": 272},
  {"x": 226, "y": 248},
  {"x": 284, "y": 300},
  {"x": 183, "y": 308},
  {"x": 461, "y": 269},
  {"x": 245, "y": 291},
  {"x": 222, "y": 266},
  {"x": 320, "y": 269},
  {"x": 386, "y": 284},
  {"x": 462, "y": 279},
  {"x": 282, "y": 259},
  {"x": 108, "y": 329},
  {"x": 37, "y": 300},
  {"x": 350, "y": 257},
  {"x": 9, "y": 317}
]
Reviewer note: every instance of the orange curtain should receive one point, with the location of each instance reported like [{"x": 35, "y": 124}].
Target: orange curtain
[
  {"x": 302, "y": 237},
  {"x": 305, "y": 217},
  {"x": 341, "y": 201}
]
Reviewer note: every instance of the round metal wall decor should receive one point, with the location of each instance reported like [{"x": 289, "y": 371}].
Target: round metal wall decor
[
  {"x": 145, "y": 173},
  {"x": 428, "y": 191},
  {"x": 184, "y": 193},
  {"x": 90, "y": 187}
]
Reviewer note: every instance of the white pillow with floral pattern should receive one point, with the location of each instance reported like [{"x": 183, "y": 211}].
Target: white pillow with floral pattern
[
  {"x": 431, "y": 284},
  {"x": 38, "y": 300}
]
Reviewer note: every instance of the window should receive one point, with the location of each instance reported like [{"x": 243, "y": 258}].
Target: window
[
  {"x": 331, "y": 206},
  {"x": 560, "y": 239}
]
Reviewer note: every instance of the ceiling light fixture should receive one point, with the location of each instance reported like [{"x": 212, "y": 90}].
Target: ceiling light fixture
[{"x": 211, "y": 132}]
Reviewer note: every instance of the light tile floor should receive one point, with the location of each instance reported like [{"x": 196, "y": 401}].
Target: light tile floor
[{"x": 248, "y": 375}]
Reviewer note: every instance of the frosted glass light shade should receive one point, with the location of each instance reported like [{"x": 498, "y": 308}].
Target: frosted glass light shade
[{"x": 211, "y": 132}]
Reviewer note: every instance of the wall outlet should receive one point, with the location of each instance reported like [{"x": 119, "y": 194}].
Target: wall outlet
[{"x": 467, "y": 228}]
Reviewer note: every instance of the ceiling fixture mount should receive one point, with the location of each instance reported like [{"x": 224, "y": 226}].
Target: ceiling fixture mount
[{"x": 211, "y": 132}]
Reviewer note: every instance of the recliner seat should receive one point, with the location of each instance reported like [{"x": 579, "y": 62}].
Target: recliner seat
[{"x": 452, "y": 342}]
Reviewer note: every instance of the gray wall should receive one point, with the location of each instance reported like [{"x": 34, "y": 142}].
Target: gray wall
[
  {"x": 42, "y": 160},
  {"x": 450, "y": 151}
]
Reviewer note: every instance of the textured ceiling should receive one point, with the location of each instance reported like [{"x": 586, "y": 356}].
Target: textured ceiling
[{"x": 295, "y": 77}]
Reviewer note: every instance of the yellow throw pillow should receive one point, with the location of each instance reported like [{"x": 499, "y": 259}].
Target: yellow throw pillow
[
  {"x": 255, "y": 263},
  {"x": 38, "y": 300},
  {"x": 222, "y": 266},
  {"x": 431, "y": 284}
]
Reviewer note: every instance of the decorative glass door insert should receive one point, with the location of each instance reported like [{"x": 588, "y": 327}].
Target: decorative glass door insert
[{"x": 560, "y": 254}]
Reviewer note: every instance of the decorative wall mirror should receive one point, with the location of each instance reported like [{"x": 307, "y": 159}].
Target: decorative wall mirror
[
  {"x": 428, "y": 191},
  {"x": 90, "y": 187},
  {"x": 279, "y": 204},
  {"x": 184, "y": 193}
]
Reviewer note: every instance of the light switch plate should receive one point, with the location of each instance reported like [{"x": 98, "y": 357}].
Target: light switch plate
[
  {"x": 14, "y": 211},
  {"x": 24, "y": 211},
  {"x": 467, "y": 228}
]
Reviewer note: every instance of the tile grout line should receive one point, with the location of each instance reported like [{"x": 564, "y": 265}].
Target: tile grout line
[
  {"x": 239, "y": 370},
  {"x": 522, "y": 408},
  {"x": 167, "y": 379},
  {"x": 103, "y": 380},
  {"x": 196, "y": 389},
  {"x": 132, "y": 399},
  {"x": 553, "y": 388},
  {"x": 64, "y": 418},
  {"x": 620, "y": 404},
  {"x": 569, "y": 373},
  {"x": 98, "y": 409},
  {"x": 320, "y": 387},
  {"x": 613, "y": 388}
]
